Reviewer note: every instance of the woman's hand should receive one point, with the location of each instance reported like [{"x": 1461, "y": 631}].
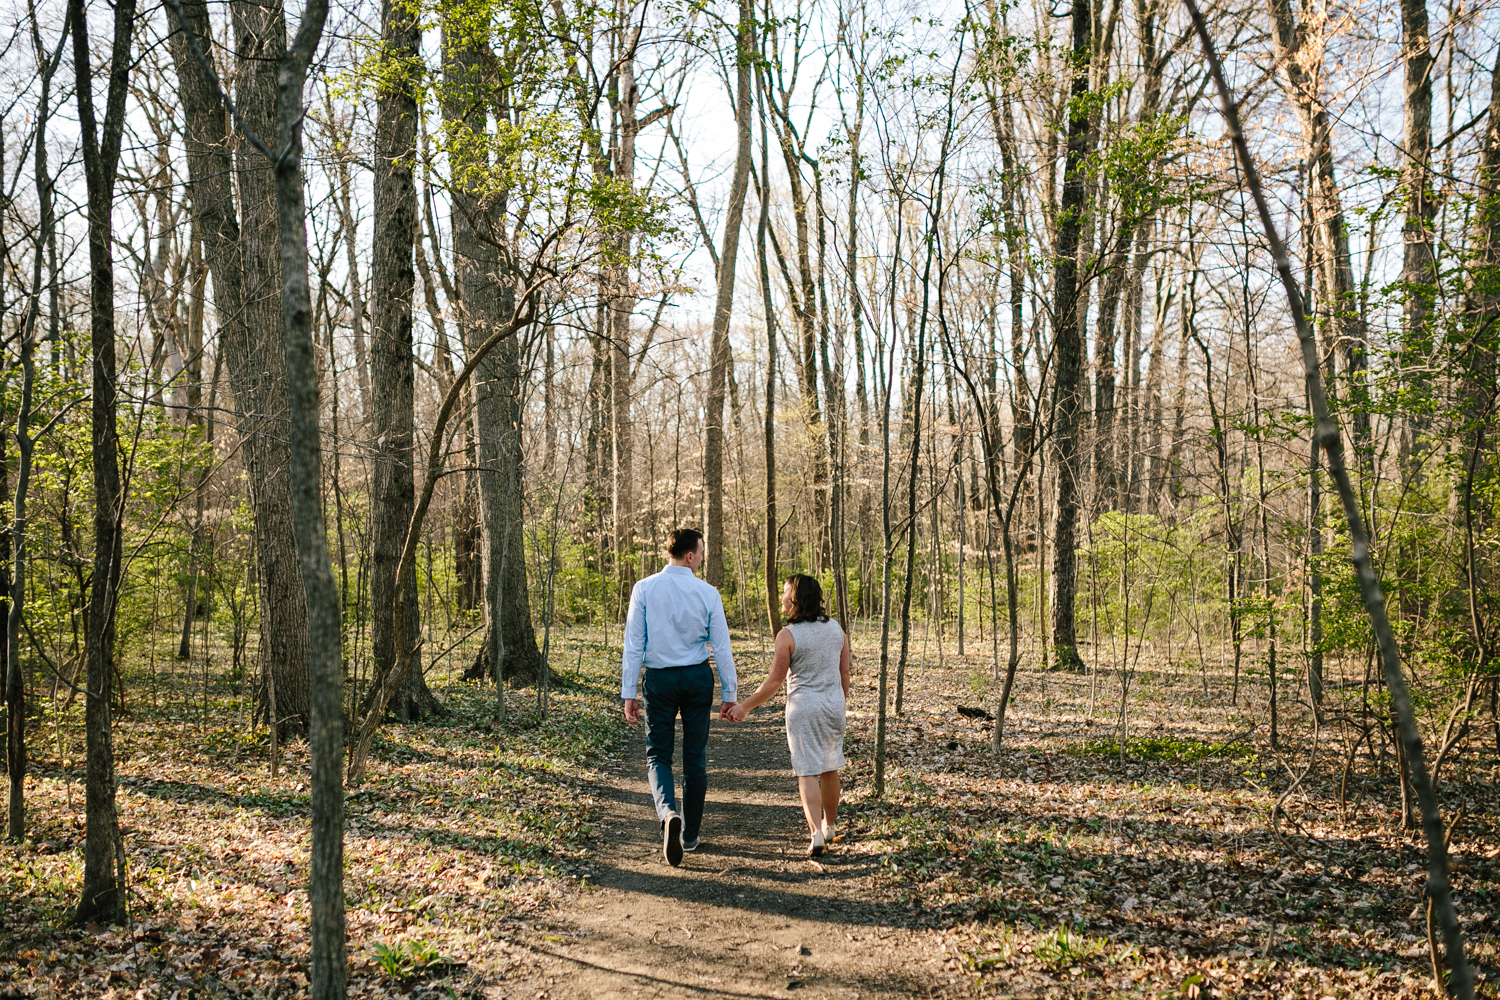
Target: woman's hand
[{"x": 738, "y": 712}]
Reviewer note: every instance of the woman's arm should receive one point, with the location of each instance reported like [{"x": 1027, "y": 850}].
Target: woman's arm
[
  {"x": 781, "y": 659},
  {"x": 844, "y": 659}
]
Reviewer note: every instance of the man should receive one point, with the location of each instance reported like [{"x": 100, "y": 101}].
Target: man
[{"x": 673, "y": 620}]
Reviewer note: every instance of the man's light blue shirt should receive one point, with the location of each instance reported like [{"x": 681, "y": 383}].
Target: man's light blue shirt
[{"x": 673, "y": 618}]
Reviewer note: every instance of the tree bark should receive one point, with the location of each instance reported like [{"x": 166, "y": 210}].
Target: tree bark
[
  {"x": 250, "y": 335},
  {"x": 1107, "y": 485},
  {"x": 713, "y": 456},
  {"x": 393, "y": 283},
  {"x": 12, "y": 602},
  {"x": 323, "y": 642},
  {"x": 621, "y": 305},
  {"x": 260, "y": 40},
  {"x": 103, "y": 896},
  {"x": 1419, "y": 272},
  {"x": 523, "y": 662},
  {"x": 1068, "y": 386},
  {"x": 1487, "y": 217}
]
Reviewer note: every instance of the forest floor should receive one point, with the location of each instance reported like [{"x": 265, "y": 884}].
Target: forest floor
[{"x": 524, "y": 862}]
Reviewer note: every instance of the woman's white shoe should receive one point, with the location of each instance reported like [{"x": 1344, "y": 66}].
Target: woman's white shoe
[
  {"x": 829, "y": 832},
  {"x": 815, "y": 849}
]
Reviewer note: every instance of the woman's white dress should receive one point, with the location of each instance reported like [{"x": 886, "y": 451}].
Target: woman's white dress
[{"x": 815, "y": 699}]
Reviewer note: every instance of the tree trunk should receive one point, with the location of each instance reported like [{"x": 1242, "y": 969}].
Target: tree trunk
[
  {"x": 1172, "y": 475},
  {"x": 802, "y": 297},
  {"x": 393, "y": 486},
  {"x": 1419, "y": 272},
  {"x": 1294, "y": 53},
  {"x": 856, "y": 307},
  {"x": 713, "y": 456},
  {"x": 260, "y": 40},
  {"x": 1107, "y": 485},
  {"x": 549, "y": 410},
  {"x": 201, "y": 539},
  {"x": 250, "y": 331},
  {"x": 468, "y": 565},
  {"x": 836, "y": 422},
  {"x": 1068, "y": 386},
  {"x": 363, "y": 363},
  {"x": 12, "y": 602},
  {"x": 488, "y": 298},
  {"x": 773, "y": 584},
  {"x": 13, "y": 546},
  {"x": 216, "y": 226},
  {"x": 520, "y": 657},
  {"x": 1130, "y": 455},
  {"x": 1487, "y": 215},
  {"x": 621, "y": 306},
  {"x": 328, "y": 969},
  {"x": 1315, "y": 583},
  {"x": 1150, "y": 423},
  {"x": 103, "y": 896}
]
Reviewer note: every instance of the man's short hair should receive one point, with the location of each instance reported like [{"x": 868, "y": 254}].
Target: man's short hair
[{"x": 684, "y": 542}]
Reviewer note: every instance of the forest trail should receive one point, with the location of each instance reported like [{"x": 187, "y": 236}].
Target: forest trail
[{"x": 746, "y": 916}]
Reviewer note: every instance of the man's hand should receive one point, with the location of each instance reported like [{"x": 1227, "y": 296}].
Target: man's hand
[
  {"x": 724, "y": 710},
  {"x": 632, "y": 710}
]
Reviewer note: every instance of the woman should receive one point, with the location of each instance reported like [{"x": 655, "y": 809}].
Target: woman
[{"x": 812, "y": 655}]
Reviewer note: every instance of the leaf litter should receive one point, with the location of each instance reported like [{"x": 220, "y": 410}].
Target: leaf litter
[
  {"x": 1057, "y": 869},
  {"x": 458, "y": 847}
]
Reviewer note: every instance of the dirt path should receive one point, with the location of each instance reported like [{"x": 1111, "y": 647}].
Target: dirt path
[{"x": 747, "y": 915}]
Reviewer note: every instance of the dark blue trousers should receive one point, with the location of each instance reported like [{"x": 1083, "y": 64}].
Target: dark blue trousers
[{"x": 670, "y": 691}]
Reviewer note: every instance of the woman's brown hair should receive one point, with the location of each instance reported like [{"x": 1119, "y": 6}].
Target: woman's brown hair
[{"x": 807, "y": 599}]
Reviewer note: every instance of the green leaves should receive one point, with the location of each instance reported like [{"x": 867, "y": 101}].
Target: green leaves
[{"x": 406, "y": 959}]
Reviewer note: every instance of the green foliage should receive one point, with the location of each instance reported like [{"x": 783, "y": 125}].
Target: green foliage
[
  {"x": 406, "y": 959},
  {"x": 1146, "y": 572},
  {"x": 1165, "y": 749},
  {"x": 1065, "y": 946}
]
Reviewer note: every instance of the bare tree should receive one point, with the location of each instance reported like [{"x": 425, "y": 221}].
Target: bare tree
[
  {"x": 713, "y": 459},
  {"x": 1068, "y": 388},
  {"x": 102, "y": 898}
]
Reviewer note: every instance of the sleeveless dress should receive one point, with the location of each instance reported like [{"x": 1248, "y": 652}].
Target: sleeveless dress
[{"x": 815, "y": 699}]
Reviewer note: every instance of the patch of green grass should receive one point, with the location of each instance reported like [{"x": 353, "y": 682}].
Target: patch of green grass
[{"x": 1165, "y": 749}]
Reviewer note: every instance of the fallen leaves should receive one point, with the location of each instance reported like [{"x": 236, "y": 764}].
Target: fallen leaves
[
  {"x": 1057, "y": 871},
  {"x": 461, "y": 840}
]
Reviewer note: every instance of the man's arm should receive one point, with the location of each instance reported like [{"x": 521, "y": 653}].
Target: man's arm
[
  {"x": 718, "y": 637},
  {"x": 633, "y": 654}
]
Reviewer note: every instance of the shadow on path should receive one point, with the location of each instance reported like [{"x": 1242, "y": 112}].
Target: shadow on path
[{"x": 747, "y": 915}]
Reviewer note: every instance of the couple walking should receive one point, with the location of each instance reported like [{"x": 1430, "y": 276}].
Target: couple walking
[{"x": 674, "y": 619}]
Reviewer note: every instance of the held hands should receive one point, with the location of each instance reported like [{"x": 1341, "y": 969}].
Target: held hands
[{"x": 729, "y": 711}]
